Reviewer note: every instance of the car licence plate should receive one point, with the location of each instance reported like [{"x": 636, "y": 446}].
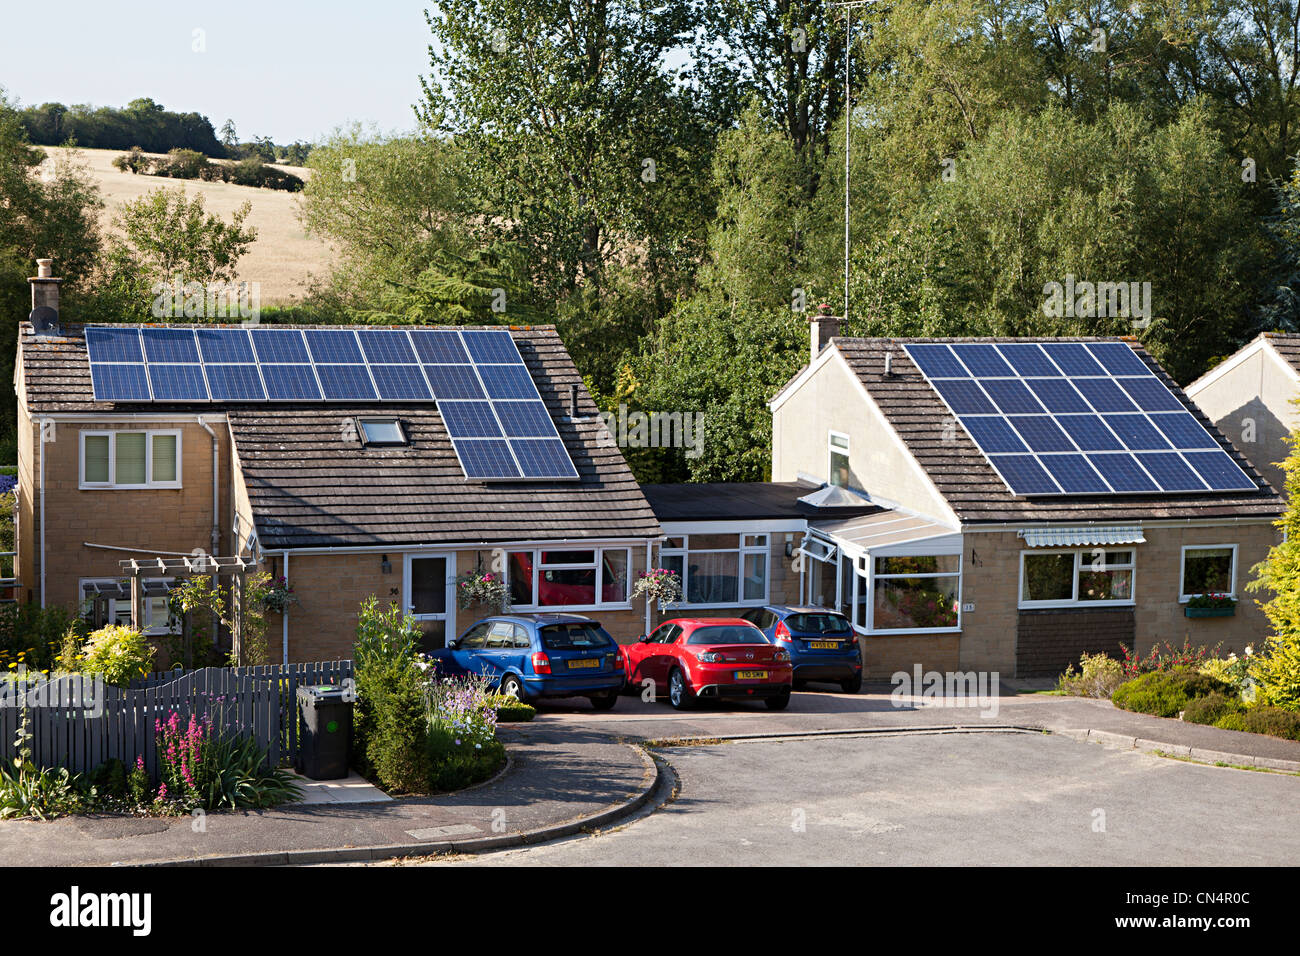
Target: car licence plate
[
  {"x": 825, "y": 645},
  {"x": 585, "y": 662},
  {"x": 751, "y": 675}
]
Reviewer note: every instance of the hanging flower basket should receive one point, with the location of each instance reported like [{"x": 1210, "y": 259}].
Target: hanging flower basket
[
  {"x": 660, "y": 585},
  {"x": 484, "y": 588},
  {"x": 278, "y": 596}
]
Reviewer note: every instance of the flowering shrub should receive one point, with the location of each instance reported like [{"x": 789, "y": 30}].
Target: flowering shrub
[
  {"x": 1185, "y": 656},
  {"x": 660, "y": 585},
  {"x": 181, "y": 753},
  {"x": 462, "y": 727},
  {"x": 118, "y": 654},
  {"x": 1098, "y": 677},
  {"x": 482, "y": 587},
  {"x": 1212, "y": 601}
]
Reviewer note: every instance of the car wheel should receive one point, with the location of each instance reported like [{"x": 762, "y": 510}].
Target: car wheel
[
  {"x": 604, "y": 701},
  {"x": 512, "y": 686},
  {"x": 852, "y": 685},
  {"x": 679, "y": 692},
  {"x": 777, "y": 703}
]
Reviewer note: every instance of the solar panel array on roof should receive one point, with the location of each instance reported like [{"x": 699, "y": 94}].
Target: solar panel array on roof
[
  {"x": 498, "y": 424},
  {"x": 1076, "y": 418}
]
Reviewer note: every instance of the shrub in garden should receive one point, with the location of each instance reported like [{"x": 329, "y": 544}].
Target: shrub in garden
[
  {"x": 461, "y": 740},
  {"x": 1174, "y": 657},
  {"x": 1211, "y": 708},
  {"x": 117, "y": 654},
  {"x": 1273, "y": 721},
  {"x": 31, "y": 636},
  {"x": 1166, "y": 693},
  {"x": 1098, "y": 677},
  {"x": 389, "y": 725},
  {"x": 511, "y": 709},
  {"x": 200, "y": 768}
]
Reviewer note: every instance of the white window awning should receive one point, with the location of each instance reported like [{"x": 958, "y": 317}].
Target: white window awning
[{"x": 1082, "y": 537}]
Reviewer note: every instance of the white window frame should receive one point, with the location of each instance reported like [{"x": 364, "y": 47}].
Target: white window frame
[
  {"x": 1080, "y": 554},
  {"x": 741, "y": 550},
  {"x": 832, "y": 450},
  {"x": 866, "y": 579},
  {"x": 151, "y": 628},
  {"x": 599, "y": 568},
  {"x": 369, "y": 442},
  {"x": 1183, "y": 596},
  {"x": 111, "y": 434}
]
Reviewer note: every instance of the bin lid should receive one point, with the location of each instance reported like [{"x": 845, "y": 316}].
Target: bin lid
[{"x": 321, "y": 691}]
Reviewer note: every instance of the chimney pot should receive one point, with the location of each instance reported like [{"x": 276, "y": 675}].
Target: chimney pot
[
  {"x": 44, "y": 268},
  {"x": 822, "y": 326},
  {"x": 45, "y": 286}
]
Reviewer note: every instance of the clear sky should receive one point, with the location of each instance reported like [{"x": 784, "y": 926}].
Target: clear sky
[{"x": 286, "y": 69}]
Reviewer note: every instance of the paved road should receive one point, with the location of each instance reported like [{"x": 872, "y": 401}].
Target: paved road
[{"x": 955, "y": 799}]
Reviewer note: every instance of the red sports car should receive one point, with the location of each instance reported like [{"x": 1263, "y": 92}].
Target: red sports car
[{"x": 710, "y": 658}]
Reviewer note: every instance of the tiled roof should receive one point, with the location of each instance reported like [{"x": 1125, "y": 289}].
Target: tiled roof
[
  {"x": 309, "y": 487},
  {"x": 973, "y": 489},
  {"x": 1287, "y": 345}
]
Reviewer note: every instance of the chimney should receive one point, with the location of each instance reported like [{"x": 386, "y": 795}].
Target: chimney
[
  {"x": 823, "y": 326},
  {"x": 45, "y": 298}
]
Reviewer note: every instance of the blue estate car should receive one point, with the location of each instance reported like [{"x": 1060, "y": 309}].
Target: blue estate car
[
  {"x": 821, "y": 643},
  {"x": 539, "y": 655}
]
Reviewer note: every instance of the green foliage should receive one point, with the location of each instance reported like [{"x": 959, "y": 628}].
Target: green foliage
[
  {"x": 453, "y": 767},
  {"x": 1099, "y": 675},
  {"x": 511, "y": 710},
  {"x": 389, "y": 717},
  {"x": 118, "y": 654},
  {"x": 141, "y": 122},
  {"x": 27, "y": 790},
  {"x": 1211, "y": 708},
  {"x": 32, "y": 636},
  {"x": 1166, "y": 693},
  {"x": 166, "y": 234},
  {"x": 1273, "y": 721},
  {"x": 240, "y": 778}
]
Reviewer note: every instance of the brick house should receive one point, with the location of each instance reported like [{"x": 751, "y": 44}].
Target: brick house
[
  {"x": 1250, "y": 396},
  {"x": 344, "y": 498},
  {"x": 960, "y": 571}
]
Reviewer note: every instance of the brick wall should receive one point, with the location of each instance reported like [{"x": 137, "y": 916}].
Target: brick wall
[{"x": 1049, "y": 641}]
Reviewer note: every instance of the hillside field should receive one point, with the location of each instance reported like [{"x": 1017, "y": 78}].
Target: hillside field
[{"x": 282, "y": 259}]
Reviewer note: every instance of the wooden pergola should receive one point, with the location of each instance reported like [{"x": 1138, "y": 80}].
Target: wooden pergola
[{"x": 192, "y": 566}]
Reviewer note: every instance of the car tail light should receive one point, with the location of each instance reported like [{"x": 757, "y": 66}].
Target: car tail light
[
  {"x": 780, "y": 654},
  {"x": 712, "y": 657},
  {"x": 782, "y": 632},
  {"x": 541, "y": 663},
  {"x": 618, "y": 661}
]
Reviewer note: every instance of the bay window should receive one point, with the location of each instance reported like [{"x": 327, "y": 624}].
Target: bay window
[
  {"x": 1066, "y": 578},
  {"x": 131, "y": 459},
  {"x": 916, "y": 592},
  {"x": 586, "y": 577},
  {"x": 719, "y": 569}
]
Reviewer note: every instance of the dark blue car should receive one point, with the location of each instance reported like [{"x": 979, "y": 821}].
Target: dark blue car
[
  {"x": 821, "y": 642},
  {"x": 530, "y": 656}
]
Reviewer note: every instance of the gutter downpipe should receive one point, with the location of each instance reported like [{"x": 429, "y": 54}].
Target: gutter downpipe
[
  {"x": 42, "y": 444},
  {"x": 284, "y": 618},
  {"x": 216, "y": 512}
]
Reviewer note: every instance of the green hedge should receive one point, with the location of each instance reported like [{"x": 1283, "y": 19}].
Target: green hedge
[
  {"x": 512, "y": 711},
  {"x": 1166, "y": 693}
]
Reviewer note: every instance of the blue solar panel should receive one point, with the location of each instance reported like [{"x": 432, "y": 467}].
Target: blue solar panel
[
  {"x": 1170, "y": 471},
  {"x": 1123, "y": 473},
  {"x": 1104, "y": 395},
  {"x": 993, "y": 435},
  {"x": 1028, "y": 360},
  {"x": 1089, "y": 433},
  {"x": 345, "y": 382},
  {"x": 169, "y": 345},
  {"x": 1183, "y": 431},
  {"x": 439, "y": 347},
  {"x": 113, "y": 345},
  {"x": 1136, "y": 432},
  {"x": 454, "y": 381},
  {"x": 1012, "y": 397},
  {"x": 507, "y": 381},
  {"x": 1057, "y": 395},
  {"x": 1220, "y": 472},
  {"x": 964, "y": 397},
  {"x": 489, "y": 346},
  {"x": 1024, "y": 475},
  {"x": 1074, "y": 474},
  {"x": 1118, "y": 359},
  {"x": 469, "y": 419},
  {"x": 225, "y": 346},
  {"x": 543, "y": 458},
  {"x": 290, "y": 382},
  {"x": 487, "y": 458},
  {"x": 181, "y": 383},
  {"x": 936, "y": 361},
  {"x": 1041, "y": 433},
  {"x": 1072, "y": 359},
  {"x": 280, "y": 346},
  {"x": 525, "y": 420},
  {"x": 386, "y": 346},
  {"x": 235, "y": 383},
  {"x": 1150, "y": 394},
  {"x": 333, "y": 347},
  {"x": 982, "y": 360},
  {"x": 119, "y": 383},
  {"x": 400, "y": 382}
]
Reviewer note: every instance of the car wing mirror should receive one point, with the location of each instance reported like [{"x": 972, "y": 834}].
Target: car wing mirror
[{"x": 643, "y": 638}]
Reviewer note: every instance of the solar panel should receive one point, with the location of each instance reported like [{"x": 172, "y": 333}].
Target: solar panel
[
  {"x": 225, "y": 346},
  {"x": 386, "y": 347},
  {"x": 235, "y": 383},
  {"x": 507, "y": 381},
  {"x": 454, "y": 381},
  {"x": 543, "y": 458},
  {"x": 491, "y": 346},
  {"x": 439, "y": 347},
  {"x": 169, "y": 345},
  {"x": 487, "y": 458},
  {"x": 525, "y": 420},
  {"x": 469, "y": 420},
  {"x": 179, "y": 383},
  {"x": 113, "y": 345},
  {"x": 290, "y": 382},
  {"x": 119, "y": 383},
  {"x": 280, "y": 346},
  {"x": 333, "y": 347},
  {"x": 345, "y": 383},
  {"x": 1079, "y": 418},
  {"x": 400, "y": 382}
]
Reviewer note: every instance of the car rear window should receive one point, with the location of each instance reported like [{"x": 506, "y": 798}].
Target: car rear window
[
  {"x": 559, "y": 637},
  {"x": 727, "y": 634},
  {"x": 817, "y": 623}
]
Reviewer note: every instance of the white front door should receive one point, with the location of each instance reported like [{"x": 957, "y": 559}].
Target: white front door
[{"x": 429, "y": 595}]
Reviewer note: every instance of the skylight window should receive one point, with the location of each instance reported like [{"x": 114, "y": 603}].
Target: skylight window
[{"x": 382, "y": 431}]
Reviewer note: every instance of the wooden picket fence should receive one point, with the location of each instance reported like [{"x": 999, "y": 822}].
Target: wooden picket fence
[{"x": 78, "y": 724}]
